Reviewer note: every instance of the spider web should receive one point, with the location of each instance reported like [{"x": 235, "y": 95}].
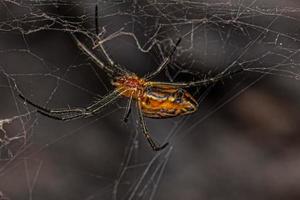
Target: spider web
[{"x": 243, "y": 143}]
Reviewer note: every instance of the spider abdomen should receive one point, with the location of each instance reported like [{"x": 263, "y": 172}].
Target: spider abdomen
[{"x": 161, "y": 102}]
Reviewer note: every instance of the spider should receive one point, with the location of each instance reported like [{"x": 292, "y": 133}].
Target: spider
[{"x": 153, "y": 99}]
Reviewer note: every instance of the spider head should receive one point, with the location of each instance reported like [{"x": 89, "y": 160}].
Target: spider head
[
  {"x": 128, "y": 81},
  {"x": 131, "y": 83}
]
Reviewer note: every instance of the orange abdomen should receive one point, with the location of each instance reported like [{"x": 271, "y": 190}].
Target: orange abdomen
[
  {"x": 159, "y": 101},
  {"x": 165, "y": 103}
]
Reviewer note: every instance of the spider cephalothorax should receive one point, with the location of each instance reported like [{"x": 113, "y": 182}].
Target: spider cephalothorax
[{"x": 131, "y": 84}]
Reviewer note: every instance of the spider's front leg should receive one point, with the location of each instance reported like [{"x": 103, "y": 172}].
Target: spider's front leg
[{"x": 153, "y": 145}]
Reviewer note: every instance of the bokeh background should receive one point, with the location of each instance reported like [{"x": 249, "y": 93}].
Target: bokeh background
[{"x": 242, "y": 143}]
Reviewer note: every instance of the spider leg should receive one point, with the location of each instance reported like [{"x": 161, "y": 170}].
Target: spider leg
[
  {"x": 205, "y": 81},
  {"x": 99, "y": 43},
  {"x": 54, "y": 114},
  {"x": 128, "y": 110},
  {"x": 71, "y": 114},
  {"x": 104, "y": 101},
  {"x": 111, "y": 63},
  {"x": 153, "y": 145},
  {"x": 111, "y": 71},
  {"x": 164, "y": 63},
  {"x": 96, "y": 20}
]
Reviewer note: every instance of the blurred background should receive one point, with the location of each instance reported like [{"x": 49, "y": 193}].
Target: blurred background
[{"x": 242, "y": 143}]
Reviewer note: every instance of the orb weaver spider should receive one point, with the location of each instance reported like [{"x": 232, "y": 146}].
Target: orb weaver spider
[{"x": 153, "y": 99}]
